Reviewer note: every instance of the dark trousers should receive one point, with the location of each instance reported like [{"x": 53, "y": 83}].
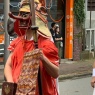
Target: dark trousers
[{"x": 59, "y": 48}]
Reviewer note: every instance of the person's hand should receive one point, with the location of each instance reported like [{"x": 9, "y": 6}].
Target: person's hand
[
  {"x": 42, "y": 56},
  {"x": 93, "y": 81},
  {"x": 40, "y": 53}
]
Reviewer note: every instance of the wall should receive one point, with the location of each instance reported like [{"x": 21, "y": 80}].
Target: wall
[
  {"x": 87, "y": 22},
  {"x": 77, "y": 43}
]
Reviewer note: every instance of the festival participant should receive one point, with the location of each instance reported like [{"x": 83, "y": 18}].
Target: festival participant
[
  {"x": 48, "y": 54},
  {"x": 93, "y": 76}
]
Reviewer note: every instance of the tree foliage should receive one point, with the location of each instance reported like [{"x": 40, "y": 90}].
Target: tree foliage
[{"x": 79, "y": 12}]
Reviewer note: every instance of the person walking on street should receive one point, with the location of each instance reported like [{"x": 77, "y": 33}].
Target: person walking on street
[{"x": 93, "y": 76}]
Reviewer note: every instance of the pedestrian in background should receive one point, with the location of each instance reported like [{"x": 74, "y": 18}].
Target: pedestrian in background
[
  {"x": 93, "y": 79},
  {"x": 58, "y": 40},
  {"x": 93, "y": 76},
  {"x": 52, "y": 30}
]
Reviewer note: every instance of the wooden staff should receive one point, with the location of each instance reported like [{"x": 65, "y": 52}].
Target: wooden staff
[
  {"x": 33, "y": 20},
  {"x": 34, "y": 31}
]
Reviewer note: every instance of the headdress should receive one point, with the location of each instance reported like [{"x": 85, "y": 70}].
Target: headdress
[{"x": 41, "y": 20}]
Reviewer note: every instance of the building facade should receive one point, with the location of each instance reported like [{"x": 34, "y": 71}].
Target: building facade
[
  {"x": 59, "y": 10},
  {"x": 90, "y": 13}
]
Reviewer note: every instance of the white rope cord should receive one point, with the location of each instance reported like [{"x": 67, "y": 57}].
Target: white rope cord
[
  {"x": 1, "y": 21},
  {"x": 2, "y": 26},
  {"x": 50, "y": 5},
  {"x": 18, "y": 5},
  {"x": 1, "y": 17}
]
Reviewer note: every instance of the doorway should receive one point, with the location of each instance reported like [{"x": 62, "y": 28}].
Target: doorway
[{"x": 57, "y": 12}]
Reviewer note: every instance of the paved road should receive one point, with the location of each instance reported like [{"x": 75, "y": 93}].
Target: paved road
[{"x": 76, "y": 87}]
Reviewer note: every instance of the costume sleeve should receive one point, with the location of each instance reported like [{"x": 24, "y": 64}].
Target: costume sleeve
[
  {"x": 51, "y": 52},
  {"x": 13, "y": 44}
]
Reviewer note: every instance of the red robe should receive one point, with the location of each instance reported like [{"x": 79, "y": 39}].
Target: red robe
[{"x": 19, "y": 46}]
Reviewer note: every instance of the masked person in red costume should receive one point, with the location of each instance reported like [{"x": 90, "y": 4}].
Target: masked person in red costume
[{"x": 49, "y": 60}]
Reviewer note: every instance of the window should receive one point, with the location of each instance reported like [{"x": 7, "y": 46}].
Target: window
[{"x": 91, "y": 5}]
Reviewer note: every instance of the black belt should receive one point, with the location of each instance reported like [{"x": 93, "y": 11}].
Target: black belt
[{"x": 39, "y": 83}]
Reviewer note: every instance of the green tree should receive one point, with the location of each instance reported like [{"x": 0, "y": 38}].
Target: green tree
[{"x": 79, "y": 12}]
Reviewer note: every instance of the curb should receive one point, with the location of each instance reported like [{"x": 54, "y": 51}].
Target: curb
[
  {"x": 67, "y": 76},
  {"x": 75, "y": 75}
]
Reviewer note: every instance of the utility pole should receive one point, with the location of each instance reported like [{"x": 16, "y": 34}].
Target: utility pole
[{"x": 6, "y": 36}]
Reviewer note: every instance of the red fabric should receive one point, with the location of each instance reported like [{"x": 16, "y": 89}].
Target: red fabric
[
  {"x": 51, "y": 52},
  {"x": 19, "y": 32},
  {"x": 49, "y": 49}
]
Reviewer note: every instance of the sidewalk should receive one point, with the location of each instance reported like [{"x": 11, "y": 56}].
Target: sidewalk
[{"x": 71, "y": 69}]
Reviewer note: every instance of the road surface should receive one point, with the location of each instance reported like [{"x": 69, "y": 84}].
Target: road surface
[{"x": 79, "y": 86}]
